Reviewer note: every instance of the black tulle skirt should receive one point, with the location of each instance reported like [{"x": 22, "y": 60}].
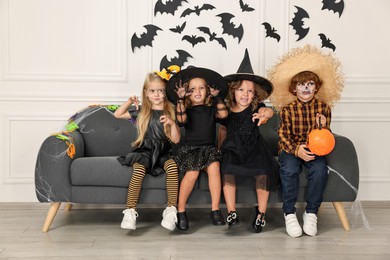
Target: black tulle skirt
[{"x": 196, "y": 158}]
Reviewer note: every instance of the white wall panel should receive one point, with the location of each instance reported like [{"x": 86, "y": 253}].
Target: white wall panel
[{"x": 57, "y": 57}]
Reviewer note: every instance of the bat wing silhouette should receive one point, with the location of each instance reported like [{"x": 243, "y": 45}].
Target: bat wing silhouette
[
  {"x": 333, "y": 6},
  {"x": 145, "y": 39},
  {"x": 326, "y": 42},
  {"x": 169, "y": 7},
  {"x": 297, "y": 23},
  {"x": 246, "y": 7},
  {"x": 230, "y": 28},
  {"x": 182, "y": 58},
  {"x": 213, "y": 35},
  {"x": 271, "y": 32},
  {"x": 193, "y": 39},
  {"x": 197, "y": 10},
  {"x": 178, "y": 28}
]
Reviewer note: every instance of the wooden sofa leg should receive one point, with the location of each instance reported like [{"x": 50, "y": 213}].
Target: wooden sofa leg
[
  {"x": 50, "y": 216},
  {"x": 339, "y": 207},
  {"x": 68, "y": 206}
]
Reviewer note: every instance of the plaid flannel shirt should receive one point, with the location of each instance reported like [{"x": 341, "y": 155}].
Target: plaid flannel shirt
[{"x": 297, "y": 119}]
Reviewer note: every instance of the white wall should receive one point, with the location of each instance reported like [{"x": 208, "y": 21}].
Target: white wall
[{"x": 59, "y": 56}]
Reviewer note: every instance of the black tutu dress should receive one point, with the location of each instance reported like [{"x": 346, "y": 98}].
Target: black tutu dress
[
  {"x": 245, "y": 151},
  {"x": 199, "y": 149},
  {"x": 155, "y": 149}
]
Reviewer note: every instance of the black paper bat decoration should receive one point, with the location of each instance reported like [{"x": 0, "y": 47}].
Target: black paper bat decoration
[
  {"x": 213, "y": 35},
  {"x": 245, "y": 7},
  {"x": 169, "y": 7},
  {"x": 145, "y": 39},
  {"x": 326, "y": 42},
  {"x": 182, "y": 58},
  {"x": 193, "y": 39},
  {"x": 297, "y": 23},
  {"x": 197, "y": 10},
  {"x": 333, "y": 6},
  {"x": 271, "y": 32},
  {"x": 230, "y": 28},
  {"x": 178, "y": 28}
]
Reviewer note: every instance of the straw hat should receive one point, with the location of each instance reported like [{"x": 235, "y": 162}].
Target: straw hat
[
  {"x": 212, "y": 78},
  {"x": 307, "y": 58},
  {"x": 245, "y": 72}
]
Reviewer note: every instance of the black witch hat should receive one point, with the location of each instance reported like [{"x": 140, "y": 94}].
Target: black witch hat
[{"x": 245, "y": 72}]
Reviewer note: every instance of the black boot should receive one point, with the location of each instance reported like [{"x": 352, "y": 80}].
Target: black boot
[
  {"x": 232, "y": 218},
  {"x": 217, "y": 218},
  {"x": 182, "y": 221},
  {"x": 259, "y": 221}
]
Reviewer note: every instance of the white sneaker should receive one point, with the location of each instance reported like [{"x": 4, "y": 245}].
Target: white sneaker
[
  {"x": 169, "y": 218},
  {"x": 292, "y": 225},
  {"x": 129, "y": 219},
  {"x": 310, "y": 223}
]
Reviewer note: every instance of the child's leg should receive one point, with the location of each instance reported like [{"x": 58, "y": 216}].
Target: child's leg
[
  {"x": 172, "y": 181},
  {"x": 262, "y": 193},
  {"x": 229, "y": 191},
  {"x": 214, "y": 184},
  {"x": 135, "y": 185},
  {"x": 186, "y": 186},
  {"x": 290, "y": 167},
  {"x": 317, "y": 178}
]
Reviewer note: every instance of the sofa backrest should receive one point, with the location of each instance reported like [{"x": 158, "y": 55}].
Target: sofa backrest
[
  {"x": 269, "y": 132},
  {"x": 105, "y": 135}
]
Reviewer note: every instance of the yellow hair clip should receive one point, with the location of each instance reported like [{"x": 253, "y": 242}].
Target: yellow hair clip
[{"x": 168, "y": 72}]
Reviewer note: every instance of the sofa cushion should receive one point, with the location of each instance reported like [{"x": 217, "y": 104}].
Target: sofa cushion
[
  {"x": 105, "y": 135},
  {"x": 107, "y": 171}
]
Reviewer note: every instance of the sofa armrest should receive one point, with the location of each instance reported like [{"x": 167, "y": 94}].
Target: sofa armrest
[
  {"x": 343, "y": 181},
  {"x": 52, "y": 170}
]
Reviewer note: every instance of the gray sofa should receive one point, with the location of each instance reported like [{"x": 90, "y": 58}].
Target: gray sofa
[{"x": 79, "y": 165}]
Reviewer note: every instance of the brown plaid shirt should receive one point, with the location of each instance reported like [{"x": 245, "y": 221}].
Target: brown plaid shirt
[{"x": 297, "y": 119}]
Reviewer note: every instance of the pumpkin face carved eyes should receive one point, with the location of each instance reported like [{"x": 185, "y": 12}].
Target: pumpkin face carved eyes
[{"x": 321, "y": 141}]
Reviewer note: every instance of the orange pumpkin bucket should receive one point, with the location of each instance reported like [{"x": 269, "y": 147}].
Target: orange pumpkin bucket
[{"x": 321, "y": 141}]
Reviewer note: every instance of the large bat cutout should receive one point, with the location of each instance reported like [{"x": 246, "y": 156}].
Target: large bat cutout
[
  {"x": 179, "y": 60},
  {"x": 333, "y": 6},
  {"x": 193, "y": 39},
  {"x": 297, "y": 23},
  {"x": 326, "y": 42},
  {"x": 169, "y": 7},
  {"x": 245, "y": 7},
  {"x": 271, "y": 32},
  {"x": 145, "y": 39},
  {"x": 230, "y": 28},
  {"x": 213, "y": 35},
  {"x": 178, "y": 28},
  {"x": 197, "y": 10}
]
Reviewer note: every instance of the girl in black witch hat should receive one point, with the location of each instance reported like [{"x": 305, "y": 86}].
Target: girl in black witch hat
[
  {"x": 198, "y": 93},
  {"x": 245, "y": 152}
]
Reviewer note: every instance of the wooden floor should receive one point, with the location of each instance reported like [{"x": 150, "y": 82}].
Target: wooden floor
[{"x": 90, "y": 233}]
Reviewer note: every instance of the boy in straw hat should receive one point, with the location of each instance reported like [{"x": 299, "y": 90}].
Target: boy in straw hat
[{"x": 306, "y": 83}]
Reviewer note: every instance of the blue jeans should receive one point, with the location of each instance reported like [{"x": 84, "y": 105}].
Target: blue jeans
[{"x": 290, "y": 167}]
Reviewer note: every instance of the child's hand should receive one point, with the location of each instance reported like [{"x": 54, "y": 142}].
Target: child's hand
[
  {"x": 214, "y": 92},
  {"x": 134, "y": 101},
  {"x": 305, "y": 154},
  {"x": 320, "y": 120},
  {"x": 181, "y": 91},
  {"x": 166, "y": 120},
  {"x": 262, "y": 115}
]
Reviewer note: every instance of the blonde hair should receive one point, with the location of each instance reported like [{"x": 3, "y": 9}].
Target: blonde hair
[
  {"x": 258, "y": 97},
  {"x": 145, "y": 113}
]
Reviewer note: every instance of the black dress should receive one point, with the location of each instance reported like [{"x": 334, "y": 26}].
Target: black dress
[
  {"x": 154, "y": 150},
  {"x": 199, "y": 149},
  {"x": 245, "y": 152}
]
